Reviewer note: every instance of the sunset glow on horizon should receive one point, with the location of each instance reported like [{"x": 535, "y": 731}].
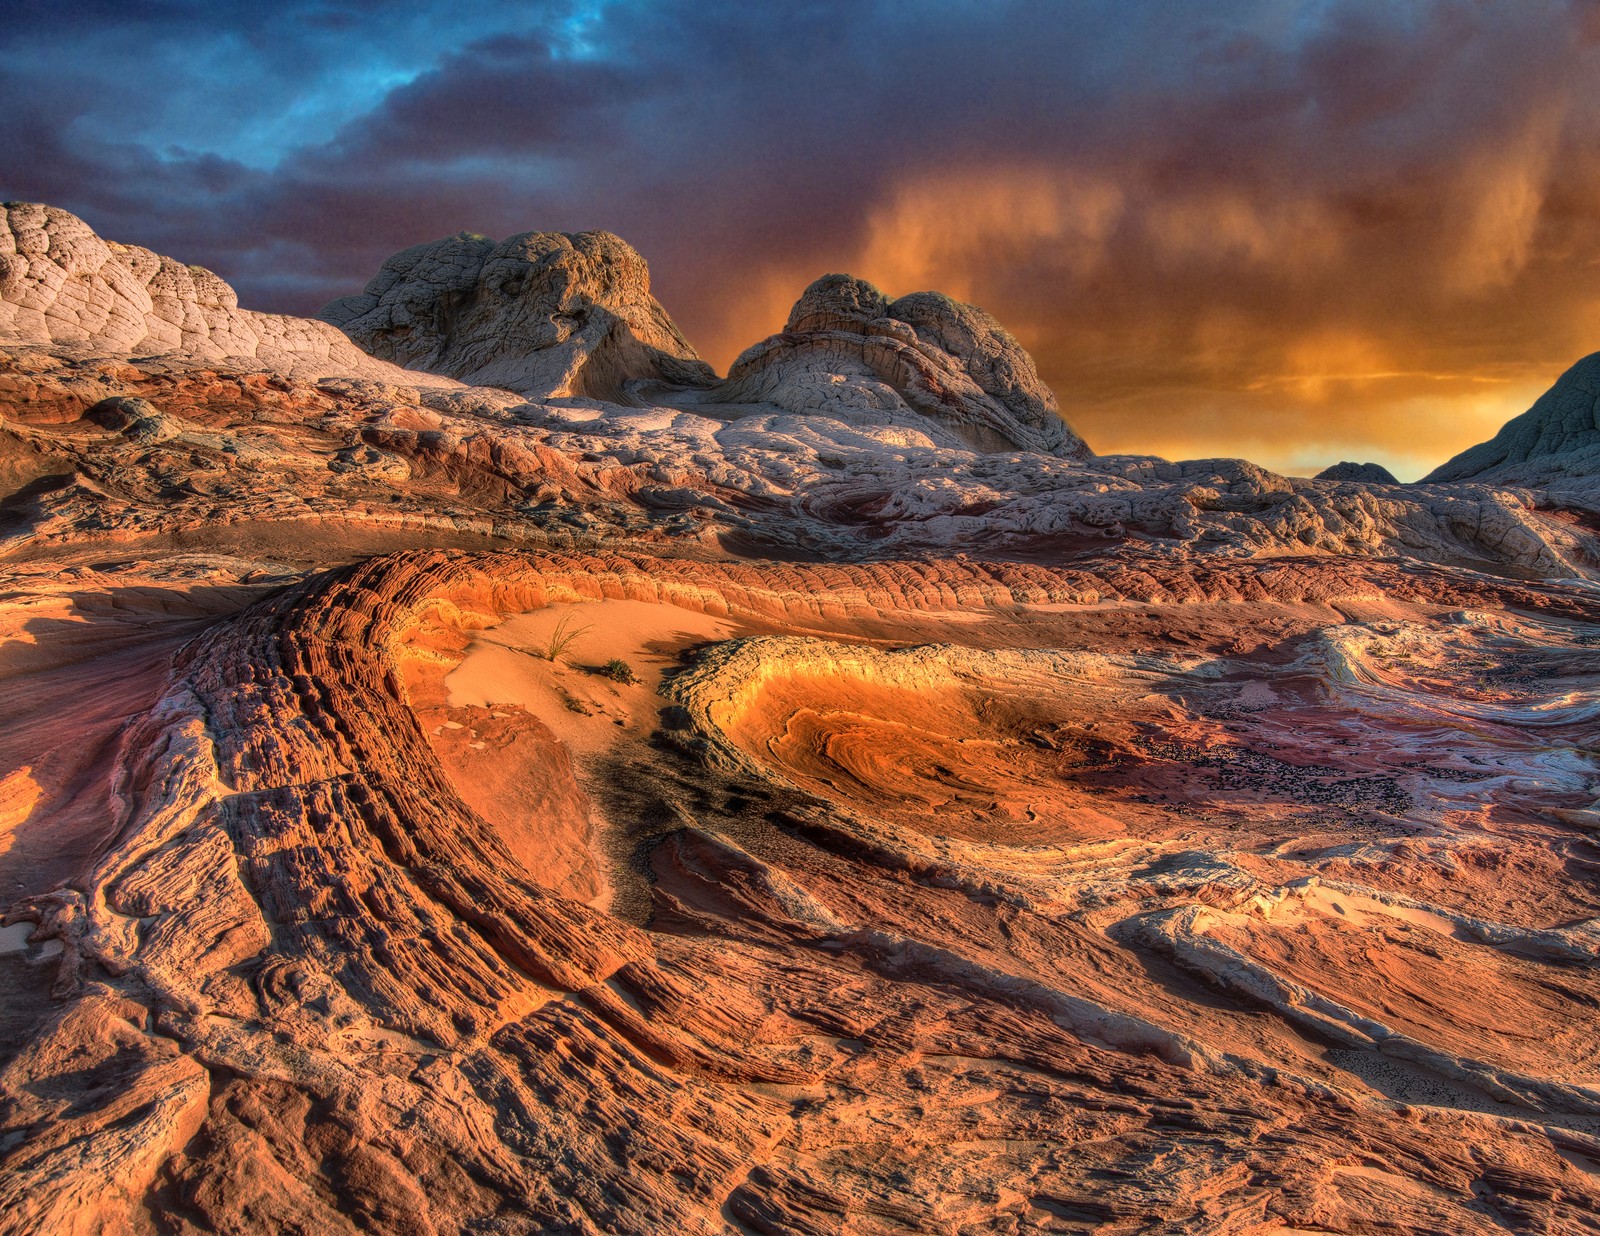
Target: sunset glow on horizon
[{"x": 1297, "y": 233}]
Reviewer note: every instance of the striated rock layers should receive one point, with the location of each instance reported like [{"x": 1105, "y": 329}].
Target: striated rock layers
[
  {"x": 819, "y": 802},
  {"x": 306, "y": 987},
  {"x": 543, "y": 313}
]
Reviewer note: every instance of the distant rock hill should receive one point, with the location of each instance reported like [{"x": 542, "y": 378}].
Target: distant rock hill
[
  {"x": 846, "y": 348},
  {"x": 1366, "y": 473},
  {"x": 1554, "y": 443}
]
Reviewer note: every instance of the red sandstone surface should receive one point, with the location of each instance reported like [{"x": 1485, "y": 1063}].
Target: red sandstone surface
[{"x": 1223, "y": 865}]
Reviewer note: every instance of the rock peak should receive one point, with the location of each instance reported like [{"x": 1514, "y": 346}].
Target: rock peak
[
  {"x": 836, "y": 302},
  {"x": 1558, "y": 435},
  {"x": 846, "y": 349},
  {"x": 543, "y": 313}
]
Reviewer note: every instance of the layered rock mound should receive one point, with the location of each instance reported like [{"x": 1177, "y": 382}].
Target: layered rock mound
[
  {"x": 543, "y": 313},
  {"x": 1554, "y": 443},
  {"x": 61, "y": 284},
  {"x": 847, "y": 351}
]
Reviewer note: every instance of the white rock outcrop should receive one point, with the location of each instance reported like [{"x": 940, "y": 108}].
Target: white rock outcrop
[
  {"x": 923, "y": 358},
  {"x": 542, "y": 313},
  {"x": 62, "y": 284}
]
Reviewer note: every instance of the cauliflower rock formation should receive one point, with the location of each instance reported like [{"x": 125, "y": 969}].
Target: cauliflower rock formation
[
  {"x": 62, "y": 284},
  {"x": 846, "y": 350},
  {"x": 543, "y": 313}
]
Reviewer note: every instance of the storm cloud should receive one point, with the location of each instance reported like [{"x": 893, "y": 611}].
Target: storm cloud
[{"x": 1292, "y": 231}]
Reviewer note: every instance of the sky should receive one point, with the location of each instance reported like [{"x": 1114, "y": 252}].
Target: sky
[{"x": 1297, "y": 232}]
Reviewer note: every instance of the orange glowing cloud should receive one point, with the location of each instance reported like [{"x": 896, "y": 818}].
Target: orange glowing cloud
[
  {"x": 1299, "y": 233},
  {"x": 1294, "y": 324}
]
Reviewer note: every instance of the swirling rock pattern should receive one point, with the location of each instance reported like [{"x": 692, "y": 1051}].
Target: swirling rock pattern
[
  {"x": 326, "y": 972},
  {"x": 972, "y": 839}
]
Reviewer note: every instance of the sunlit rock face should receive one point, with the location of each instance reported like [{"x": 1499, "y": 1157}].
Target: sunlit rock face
[
  {"x": 62, "y": 285},
  {"x": 434, "y": 808},
  {"x": 847, "y": 350},
  {"x": 544, "y": 313}
]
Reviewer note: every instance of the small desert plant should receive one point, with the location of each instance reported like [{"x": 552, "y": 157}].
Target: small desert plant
[
  {"x": 574, "y": 704},
  {"x": 619, "y": 670},
  {"x": 555, "y": 647}
]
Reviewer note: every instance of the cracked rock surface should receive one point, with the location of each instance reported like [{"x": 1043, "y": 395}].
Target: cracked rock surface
[{"x": 62, "y": 284}]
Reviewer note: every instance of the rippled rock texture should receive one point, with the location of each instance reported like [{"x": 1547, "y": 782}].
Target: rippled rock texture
[{"x": 429, "y": 809}]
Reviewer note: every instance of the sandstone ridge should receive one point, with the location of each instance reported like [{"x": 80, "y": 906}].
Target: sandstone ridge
[
  {"x": 1555, "y": 443},
  {"x": 864, "y": 428}
]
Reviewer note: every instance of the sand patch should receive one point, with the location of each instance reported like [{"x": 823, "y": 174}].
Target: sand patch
[
  {"x": 509, "y": 665},
  {"x": 530, "y": 705}
]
